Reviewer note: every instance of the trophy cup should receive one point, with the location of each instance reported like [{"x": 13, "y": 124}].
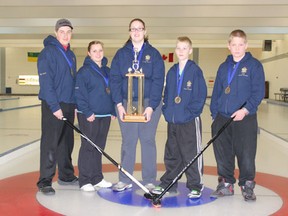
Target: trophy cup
[{"x": 135, "y": 114}]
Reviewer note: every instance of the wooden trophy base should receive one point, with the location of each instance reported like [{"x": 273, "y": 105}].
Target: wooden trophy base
[{"x": 134, "y": 118}]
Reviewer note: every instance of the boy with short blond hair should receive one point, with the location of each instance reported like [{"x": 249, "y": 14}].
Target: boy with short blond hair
[
  {"x": 240, "y": 80},
  {"x": 184, "y": 97}
]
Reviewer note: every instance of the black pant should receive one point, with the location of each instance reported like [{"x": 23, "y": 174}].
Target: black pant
[
  {"x": 90, "y": 159},
  {"x": 183, "y": 144},
  {"x": 57, "y": 143},
  {"x": 238, "y": 140}
]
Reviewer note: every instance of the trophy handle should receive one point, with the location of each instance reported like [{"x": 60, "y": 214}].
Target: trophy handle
[
  {"x": 140, "y": 94},
  {"x": 129, "y": 96}
]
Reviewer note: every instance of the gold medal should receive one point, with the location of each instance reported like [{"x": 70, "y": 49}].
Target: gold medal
[
  {"x": 177, "y": 100},
  {"x": 227, "y": 90},
  {"x": 107, "y": 90}
]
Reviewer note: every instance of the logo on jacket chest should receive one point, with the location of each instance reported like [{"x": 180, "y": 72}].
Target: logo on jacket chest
[
  {"x": 243, "y": 72},
  {"x": 188, "y": 86},
  {"x": 147, "y": 59}
]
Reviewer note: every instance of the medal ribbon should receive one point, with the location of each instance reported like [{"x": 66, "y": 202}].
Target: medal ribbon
[
  {"x": 231, "y": 73},
  {"x": 106, "y": 79},
  {"x": 179, "y": 81},
  {"x": 67, "y": 59}
]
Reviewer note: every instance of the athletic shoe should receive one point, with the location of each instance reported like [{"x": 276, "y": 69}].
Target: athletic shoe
[
  {"x": 87, "y": 188},
  {"x": 157, "y": 190},
  {"x": 247, "y": 191},
  {"x": 150, "y": 186},
  {"x": 103, "y": 184},
  {"x": 223, "y": 189},
  {"x": 47, "y": 190},
  {"x": 73, "y": 182},
  {"x": 194, "y": 194},
  {"x": 121, "y": 186}
]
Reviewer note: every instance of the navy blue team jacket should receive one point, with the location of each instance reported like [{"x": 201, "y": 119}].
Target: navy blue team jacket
[
  {"x": 90, "y": 90},
  {"x": 193, "y": 94},
  {"x": 56, "y": 77},
  {"x": 152, "y": 66},
  {"x": 248, "y": 85}
]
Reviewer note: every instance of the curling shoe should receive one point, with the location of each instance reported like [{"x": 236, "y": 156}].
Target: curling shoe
[
  {"x": 247, "y": 191},
  {"x": 195, "y": 193},
  {"x": 223, "y": 189},
  {"x": 47, "y": 190},
  {"x": 74, "y": 182},
  {"x": 150, "y": 186},
  {"x": 87, "y": 188},
  {"x": 121, "y": 186},
  {"x": 103, "y": 184},
  {"x": 157, "y": 190}
]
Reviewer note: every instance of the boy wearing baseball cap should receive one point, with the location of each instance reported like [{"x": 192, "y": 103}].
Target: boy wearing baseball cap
[{"x": 57, "y": 69}]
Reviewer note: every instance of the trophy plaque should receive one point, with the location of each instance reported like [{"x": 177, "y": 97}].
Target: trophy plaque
[{"x": 135, "y": 113}]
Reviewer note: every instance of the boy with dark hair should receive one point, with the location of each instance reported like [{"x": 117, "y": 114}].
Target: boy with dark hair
[{"x": 57, "y": 70}]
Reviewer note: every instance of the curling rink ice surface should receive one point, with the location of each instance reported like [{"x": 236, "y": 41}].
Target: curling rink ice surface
[{"x": 19, "y": 160}]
